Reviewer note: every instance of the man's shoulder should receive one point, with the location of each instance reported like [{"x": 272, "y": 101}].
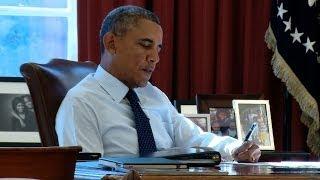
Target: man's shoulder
[{"x": 86, "y": 87}]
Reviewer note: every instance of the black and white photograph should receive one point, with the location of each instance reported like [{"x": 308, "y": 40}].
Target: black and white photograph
[
  {"x": 247, "y": 113},
  {"x": 17, "y": 113},
  {"x": 18, "y": 121}
]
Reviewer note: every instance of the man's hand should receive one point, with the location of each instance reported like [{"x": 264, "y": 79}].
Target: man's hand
[{"x": 247, "y": 152}]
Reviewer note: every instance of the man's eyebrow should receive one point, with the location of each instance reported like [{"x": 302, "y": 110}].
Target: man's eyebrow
[{"x": 149, "y": 41}]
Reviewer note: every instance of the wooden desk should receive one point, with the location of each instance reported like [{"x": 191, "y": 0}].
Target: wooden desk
[
  {"x": 38, "y": 162},
  {"x": 223, "y": 171},
  {"x": 284, "y": 156}
]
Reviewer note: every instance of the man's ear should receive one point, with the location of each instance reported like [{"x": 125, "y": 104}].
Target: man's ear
[{"x": 109, "y": 43}]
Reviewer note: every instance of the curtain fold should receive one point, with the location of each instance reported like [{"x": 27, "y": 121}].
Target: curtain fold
[
  {"x": 209, "y": 46},
  {"x": 162, "y": 77}
]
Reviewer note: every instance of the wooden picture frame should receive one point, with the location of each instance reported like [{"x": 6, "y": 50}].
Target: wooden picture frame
[
  {"x": 248, "y": 112},
  {"x": 202, "y": 120},
  {"x": 18, "y": 126}
]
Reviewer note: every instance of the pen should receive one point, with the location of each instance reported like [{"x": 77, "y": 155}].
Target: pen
[{"x": 253, "y": 126}]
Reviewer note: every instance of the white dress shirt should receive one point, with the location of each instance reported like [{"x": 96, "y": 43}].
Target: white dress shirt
[{"x": 96, "y": 115}]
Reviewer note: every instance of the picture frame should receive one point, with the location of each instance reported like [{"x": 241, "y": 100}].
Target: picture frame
[
  {"x": 202, "y": 120},
  {"x": 186, "y": 106},
  {"x": 248, "y": 112},
  {"x": 222, "y": 122},
  {"x": 18, "y": 126},
  {"x": 211, "y": 103}
]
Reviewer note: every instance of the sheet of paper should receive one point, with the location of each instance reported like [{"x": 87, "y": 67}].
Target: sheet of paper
[
  {"x": 286, "y": 164},
  {"x": 297, "y": 164},
  {"x": 251, "y": 164}
]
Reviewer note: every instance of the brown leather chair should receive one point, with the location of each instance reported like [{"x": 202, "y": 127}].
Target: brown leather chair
[
  {"x": 38, "y": 162},
  {"x": 48, "y": 85}
]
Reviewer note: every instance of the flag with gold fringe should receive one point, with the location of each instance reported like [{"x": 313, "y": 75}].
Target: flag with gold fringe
[{"x": 294, "y": 36}]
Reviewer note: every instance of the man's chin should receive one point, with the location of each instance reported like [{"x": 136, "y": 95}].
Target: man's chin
[{"x": 142, "y": 84}]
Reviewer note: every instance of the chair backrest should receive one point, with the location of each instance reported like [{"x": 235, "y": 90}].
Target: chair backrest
[
  {"x": 48, "y": 85},
  {"x": 38, "y": 162}
]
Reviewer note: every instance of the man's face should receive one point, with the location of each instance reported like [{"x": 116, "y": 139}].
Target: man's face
[
  {"x": 28, "y": 102},
  {"x": 137, "y": 53}
]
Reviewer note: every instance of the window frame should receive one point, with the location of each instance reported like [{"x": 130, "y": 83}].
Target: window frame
[{"x": 70, "y": 12}]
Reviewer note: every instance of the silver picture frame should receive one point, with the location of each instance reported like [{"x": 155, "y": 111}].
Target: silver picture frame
[{"x": 248, "y": 112}]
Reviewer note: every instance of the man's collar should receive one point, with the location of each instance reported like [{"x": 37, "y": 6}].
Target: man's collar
[{"x": 111, "y": 84}]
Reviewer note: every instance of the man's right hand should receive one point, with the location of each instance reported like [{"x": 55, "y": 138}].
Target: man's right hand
[{"x": 247, "y": 152}]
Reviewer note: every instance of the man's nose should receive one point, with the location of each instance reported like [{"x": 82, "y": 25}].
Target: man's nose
[{"x": 153, "y": 56}]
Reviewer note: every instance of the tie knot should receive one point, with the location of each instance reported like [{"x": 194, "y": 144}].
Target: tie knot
[{"x": 132, "y": 96}]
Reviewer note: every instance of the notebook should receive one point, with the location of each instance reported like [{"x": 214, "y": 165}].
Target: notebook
[
  {"x": 141, "y": 162},
  {"x": 194, "y": 156}
]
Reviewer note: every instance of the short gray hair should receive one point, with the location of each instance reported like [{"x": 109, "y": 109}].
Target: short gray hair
[{"x": 121, "y": 19}]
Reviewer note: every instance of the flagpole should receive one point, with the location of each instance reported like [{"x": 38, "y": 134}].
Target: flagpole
[{"x": 287, "y": 116}]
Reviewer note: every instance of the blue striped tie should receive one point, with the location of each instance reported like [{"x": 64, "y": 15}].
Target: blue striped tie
[{"x": 144, "y": 131}]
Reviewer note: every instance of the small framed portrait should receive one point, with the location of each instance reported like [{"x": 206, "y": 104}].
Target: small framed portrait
[
  {"x": 223, "y": 122},
  {"x": 202, "y": 120},
  {"x": 186, "y": 106},
  {"x": 248, "y": 112},
  {"x": 18, "y": 126}
]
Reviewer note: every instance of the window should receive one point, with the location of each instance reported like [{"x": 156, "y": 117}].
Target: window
[{"x": 37, "y": 31}]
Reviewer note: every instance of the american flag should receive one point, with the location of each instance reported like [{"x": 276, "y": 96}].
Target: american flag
[{"x": 294, "y": 36}]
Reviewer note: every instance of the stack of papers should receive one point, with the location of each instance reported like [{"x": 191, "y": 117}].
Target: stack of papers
[{"x": 92, "y": 170}]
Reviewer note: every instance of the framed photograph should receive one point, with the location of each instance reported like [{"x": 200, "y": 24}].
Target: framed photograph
[
  {"x": 222, "y": 121},
  {"x": 202, "y": 120},
  {"x": 186, "y": 106},
  {"x": 248, "y": 112},
  {"x": 18, "y": 126},
  {"x": 219, "y": 106}
]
